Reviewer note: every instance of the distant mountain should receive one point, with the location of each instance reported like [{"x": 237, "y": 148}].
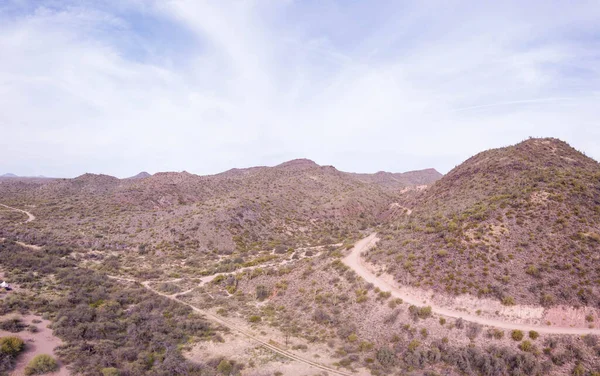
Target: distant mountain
[
  {"x": 520, "y": 224},
  {"x": 141, "y": 175},
  {"x": 401, "y": 180},
  {"x": 9, "y": 175}
]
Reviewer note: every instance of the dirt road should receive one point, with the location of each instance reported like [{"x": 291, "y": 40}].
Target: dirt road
[
  {"x": 30, "y": 217},
  {"x": 354, "y": 261},
  {"x": 243, "y": 331}
]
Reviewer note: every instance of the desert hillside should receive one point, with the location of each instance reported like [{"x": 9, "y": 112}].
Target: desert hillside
[
  {"x": 181, "y": 215},
  {"x": 520, "y": 224}
]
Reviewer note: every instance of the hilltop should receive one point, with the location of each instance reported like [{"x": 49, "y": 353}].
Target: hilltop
[{"x": 520, "y": 224}]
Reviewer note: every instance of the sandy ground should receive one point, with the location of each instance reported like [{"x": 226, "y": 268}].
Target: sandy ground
[
  {"x": 269, "y": 339},
  {"x": 261, "y": 361},
  {"x": 41, "y": 342},
  {"x": 525, "y": 318}
]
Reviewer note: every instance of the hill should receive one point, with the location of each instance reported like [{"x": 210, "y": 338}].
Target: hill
[
  {"x": 141, "y": 175},
  {"x": 520, "y": 224},
  {"x": 9, "y": 175},
  {"x": 399, "y": 180},
  {"x": 182, "y": 215}
]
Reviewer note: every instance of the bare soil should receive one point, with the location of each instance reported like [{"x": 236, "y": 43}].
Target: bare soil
[{"x": 40, "y": 342}]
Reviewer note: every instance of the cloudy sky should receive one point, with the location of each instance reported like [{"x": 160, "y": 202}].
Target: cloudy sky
[{"x": 121, "y": 86}]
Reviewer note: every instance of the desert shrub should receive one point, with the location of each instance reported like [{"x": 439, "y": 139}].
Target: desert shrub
[
  {"x": 424, "y": 312},
  {"x": 322, "y": 317},
  {"x": 254, "y": 319},
  {"x": 11, "y": 346},
  {"x": 526, "y": 346},
  {"x": 533, "y": 334},
  {"x": 508, "y": 301},
  {"x": 104, "y": 322},
  {"x": 533, "y": 271},
  {"x": 589, "y": 318},
  {"x": 262, "y": 292},
  {"x": 225, "y": 367},
  {"x": 495, "y": 333},
  {"x": 13, "y": 325},
  {"x": 459, "y": 323},
  {"x": 41, "y": 364},
  {"x": 473, "y": 330},
  {"x": 386, "y": 357},
  {"x": 168, "y": 288},
  {"x": 419, "y": 312},
  {"x": 516, "y": 335},
  {"x": 413, "y": 345},
  {"x": 578, "y": 370}
]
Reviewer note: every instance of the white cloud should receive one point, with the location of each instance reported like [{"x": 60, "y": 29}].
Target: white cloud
[{"x": 85, "y": 88}]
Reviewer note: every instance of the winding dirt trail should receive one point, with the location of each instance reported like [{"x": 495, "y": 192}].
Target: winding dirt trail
[
  {"x": 243, "y": 331},
  {"x": 355, "y": 262},
  {"x": 30, "y": 217}
]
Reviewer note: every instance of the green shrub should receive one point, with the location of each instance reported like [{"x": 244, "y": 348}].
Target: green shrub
[
  {"x": 419, "y": 312},
  {"x": 424, "y": 312},
  {"x": 11, "y": 346},
  {"x": 516, "y": 335},
  {"x": 412, "y": 346},
  {"x": 533, "y": 334},
  {"x": 224, "y": 367},
  {"x": 386, "y": 357},
  {"x": 526, "y": 346},
  {"x": 589, "y": 318},
  {"x": 254, "y": 318},
  {"x": 508, "y": 301},
  {"x": 41, "y": 364},
  {"x": 495, "y": 333},
  {"x": 579, "y": 370}
]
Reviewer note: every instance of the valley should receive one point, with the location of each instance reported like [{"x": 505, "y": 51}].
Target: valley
[{"x": 308, "y": 270}]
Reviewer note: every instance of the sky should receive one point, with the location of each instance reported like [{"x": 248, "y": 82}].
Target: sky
[{"x": 123, "y": 86}]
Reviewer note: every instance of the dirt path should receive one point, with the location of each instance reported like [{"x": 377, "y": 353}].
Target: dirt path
[
  {"x": 30, "y": 217},
  {"x": 354, "y": 261},
  {"x": 243, "y": 331}
]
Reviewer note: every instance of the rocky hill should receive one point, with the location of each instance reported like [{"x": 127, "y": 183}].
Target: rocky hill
[
  {"x": 398, "y": 180},
  {"x": 141, "y": 175},
  {"x": 249, "y": 210},
  {"x": 520, "y": 224}
]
